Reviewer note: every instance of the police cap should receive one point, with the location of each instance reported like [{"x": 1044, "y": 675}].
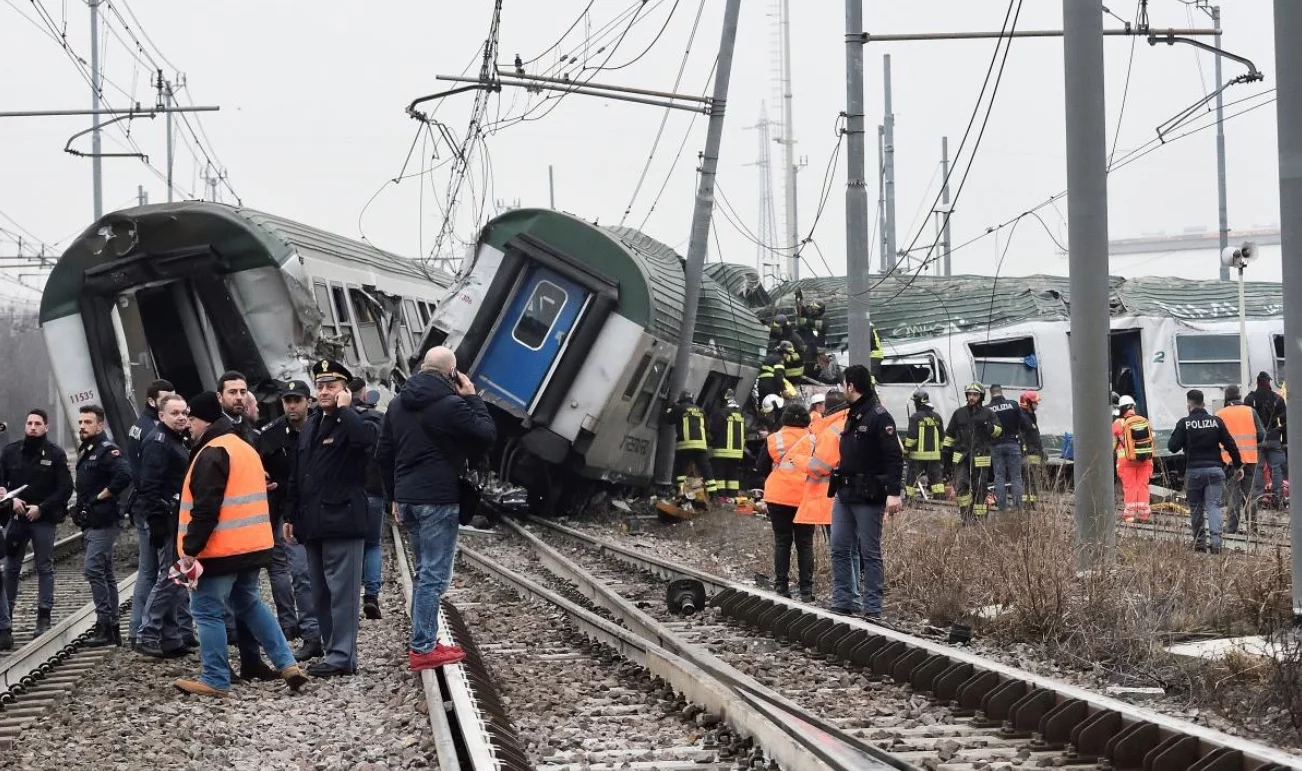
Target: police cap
[
  {"x": 296, "y": 388},
  {"x": 326, "y": 370}
]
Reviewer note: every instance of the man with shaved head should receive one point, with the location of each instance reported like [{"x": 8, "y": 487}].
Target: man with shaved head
[{"x": 433, "y": 426}]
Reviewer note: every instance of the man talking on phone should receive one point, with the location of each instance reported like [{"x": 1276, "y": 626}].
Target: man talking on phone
[
  {"x": 325, "y": 509},
  {"x": 429, "y": 432}
]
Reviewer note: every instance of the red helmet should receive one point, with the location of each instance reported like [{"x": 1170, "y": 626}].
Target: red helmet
[{"x": 1029, "y": 397}]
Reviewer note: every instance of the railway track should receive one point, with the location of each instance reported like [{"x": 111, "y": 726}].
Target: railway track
[
  {"x": 919, "y": 702},
  {"x": 39, "y": 670}
]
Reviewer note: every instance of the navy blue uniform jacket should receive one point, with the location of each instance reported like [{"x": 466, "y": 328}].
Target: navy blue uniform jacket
[
  {"x": 101, "y": 466},
  {"x": 163, "y": 463},
  {"x": 327, "y": 487},
  {"x": 43, "y": 467}
]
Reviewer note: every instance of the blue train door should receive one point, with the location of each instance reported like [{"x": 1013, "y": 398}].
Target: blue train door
[{"x": 530, "y": 337}]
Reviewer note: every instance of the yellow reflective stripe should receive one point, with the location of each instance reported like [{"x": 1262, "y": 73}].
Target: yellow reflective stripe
[{"x": 949, "y": 442}]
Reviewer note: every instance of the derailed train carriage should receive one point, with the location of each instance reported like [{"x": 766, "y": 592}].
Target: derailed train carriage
[
  {"x": 569, "y": 330},
  {"x": 185, "y": 291}
]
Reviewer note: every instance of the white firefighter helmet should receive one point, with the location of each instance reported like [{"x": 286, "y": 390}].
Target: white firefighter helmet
[{"x": 771, "y": 403}]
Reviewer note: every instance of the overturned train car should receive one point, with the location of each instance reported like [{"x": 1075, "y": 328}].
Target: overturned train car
[
  {"x": 186, "y": 291},
  {"x": 569, "y": 330}
]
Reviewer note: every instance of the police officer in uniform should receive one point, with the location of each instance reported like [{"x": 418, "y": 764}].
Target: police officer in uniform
[
  {"x": 103, "y": 475},
  {"x": 967, "y": 444},
  {"x": 326, "y": 511},
  {"x": 146, "y": 563},
  {"x": 692, "y": 447},
  {"x": 922, "y": 444},
  {"x": 34, "y": 513},
  {"x": 291, "y": 588},
  {"x": 1006, "y": 451},
  {"x": 728, "y": 445},
  {"x": 365, "y": 401},
  {"x": 1201, "y": 437},
  {"x": 865, "y": 486}
]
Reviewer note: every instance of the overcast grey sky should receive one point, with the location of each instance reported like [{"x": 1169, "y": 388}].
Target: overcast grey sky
[{"x": 312, "y": 122}]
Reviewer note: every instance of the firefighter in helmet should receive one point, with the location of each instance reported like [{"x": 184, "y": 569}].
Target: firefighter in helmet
[
  {"x": 1034, "y": 473},
  {"x": 971, "y": 430},
  {"x": 692, "y": 446},
  {"x": 922, "y": 447},
  {"x": 727, "y": 446}
]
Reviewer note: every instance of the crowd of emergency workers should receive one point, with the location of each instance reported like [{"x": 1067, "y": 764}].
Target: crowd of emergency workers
[
  {"x": 218, "y": 497},
  {"x": 836, "y": 466}
]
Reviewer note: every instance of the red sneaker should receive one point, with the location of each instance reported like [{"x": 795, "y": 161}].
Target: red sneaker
[{"x": 439, "y": 656}]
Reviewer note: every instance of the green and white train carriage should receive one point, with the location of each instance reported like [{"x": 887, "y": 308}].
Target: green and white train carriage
[
  {"x": 569, "y": 329},
  {"x": 185, "y": 291}
]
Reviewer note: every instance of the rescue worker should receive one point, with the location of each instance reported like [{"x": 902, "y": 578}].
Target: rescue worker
[
  {"x": 327, "y": 512},
  {"x": 922, "y": 447},
  {"x": 728, "y": 446},
  {"x": 772, "y": 380},
  {"x": 877, "y": 355},
  {"x": 1034, "y": 472},
  {"x": 1134, "y": 446},
  {"x": 816, "y": 410},
  {"x": 1201, "y": 437},
  {"x": 816, "y": 504},
  {"x": 1271, "y": 458},
  {"x": 33, "y": 514},
  {"x": 866, "y": 484},
  {"x": 146, "y": 564},
  {"x": 1245, "y": 426},
  {"x": 224, "y": 525},
  {"x": 103, "y": 475},
  {"x": 792, "y": 360},
  {"x": 783, "y": 464},
  {"x": 164, "y": 630},
  {"x": 771, "y": 411},
  {"x": 372, "y": 576},
  {"x": 811, "y": 327},
  {"x": 971, "y": 429},
  {"x": 691, "y": 447},
  {"x": 291, "y": 589}
]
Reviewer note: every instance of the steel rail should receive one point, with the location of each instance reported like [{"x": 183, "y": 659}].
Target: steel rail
[
  {"x": 1054, "y": 710},
  {"x": 762, "y": 721},
  {"x": 638, "y": 621}
]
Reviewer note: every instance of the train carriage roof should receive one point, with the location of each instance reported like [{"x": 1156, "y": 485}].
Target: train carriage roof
[
  {"x": 650, "y": 277},
  {"x": 908, "y": 307},
  {"x": 245, "y": 237}
]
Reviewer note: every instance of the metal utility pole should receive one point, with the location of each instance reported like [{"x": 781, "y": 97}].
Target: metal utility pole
[
  {"x": 881, "y": 196},
  {"x": 551, "y": 185},
  {"x": 857, "y": 268},
  {"x": 768, "y": 259},
  {"x": 96, "y": 172},
  {"x": 888, "y": 163},
  {"x": 698, "y": 244},
  {"x": 1288, "y": 63},
  {"x": 142, "y": 197},
  {"x": 1087, "y": 232},
  {"x": 1220, "y": 147},
  {"x": 946, "y": 268},
  {"x": 788, "y": 146}
]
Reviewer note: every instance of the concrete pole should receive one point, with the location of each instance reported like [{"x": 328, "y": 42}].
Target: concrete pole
[
  {"x": 858, "y": 308},
  {"x": 551, "y": 185},
  {"x": 171, "y": 155},
  {"x": 1220, "y": 148},
  {"x": 96, "y": 172},
  {"x": 698, "y": 244},
  {"x": 944, "y": 199},
  {"x": 789, "y": 145},
  {"x": 1288, "y": 63},
  {"x": 888, "y": 128},
  {"x": 142, "y": 197},
  {"x": 881, "y": 196},
  {"x": 1087, "y": 230}
]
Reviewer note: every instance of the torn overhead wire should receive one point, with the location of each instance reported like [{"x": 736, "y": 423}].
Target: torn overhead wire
[{"x": 1253, "y": 75}]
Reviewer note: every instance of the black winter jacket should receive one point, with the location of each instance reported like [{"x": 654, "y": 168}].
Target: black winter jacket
[
  {"x": 1273, "y": 413},
  {"x": 101, "y": 466},
  {"x": 277, "y": 446},
  {"x": 43, "y": 466},
  {"x": 1201, "y": 436},
  {"x": 1012, "y": 420},
  {"x": 869, "y": 446},
  {"x": 971, "y": 431},
  {"x": 164, "y": 459},
  {"x": 209, "y": 471},
  {"x": 374, "y": 479},
  {"x": 326, "y": 499},
  {"x": 428, "y": 435}
]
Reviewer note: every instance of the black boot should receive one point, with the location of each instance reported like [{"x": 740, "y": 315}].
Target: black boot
[
  {"x": 42, "y": 621},
  {"x": 257, "y": 670},
  {"x": 103, "y": 636},
  {"x": 371, "y": 606},
  {"x": 6, "y": 640},
  {"x": 116, "y": 629},
  {"x": 310, "y": 649}
]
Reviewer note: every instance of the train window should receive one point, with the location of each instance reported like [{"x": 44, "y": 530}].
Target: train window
[
  {"x": 368, "y": 326},
  {"x": 425, "y": 312},
  {"x": 662, "y": 398},
  {"x": 1278, "y": 340},
  {"x": 345, "y": 321},
  {"x": 1007, "y": 362},
  {"x": 916, "y": 369},
  {"x": 539, "y": 315},
  {"x": 413, "y": 317},
  {"x": 636, "y": 380},
  {"x": 323, "y": 304},
  {"x": 650, "y": 386},
  {"x": 1207, "y": 360}
]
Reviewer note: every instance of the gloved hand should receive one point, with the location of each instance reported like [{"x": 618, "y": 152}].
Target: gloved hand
[{"x": 157, "y": 538}]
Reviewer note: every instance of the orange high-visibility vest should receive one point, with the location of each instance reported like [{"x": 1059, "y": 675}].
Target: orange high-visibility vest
[
  {"x": 1239, "y": 420},
  {"x": 815, "y": 506},
  {"x": 244, "y": 521},
  {"x": 786, "y": 483}
]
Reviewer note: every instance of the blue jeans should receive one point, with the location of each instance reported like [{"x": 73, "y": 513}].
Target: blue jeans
[
  {"x": 433, "y": 532},
  {"x": 1006, "y": 457},
  {"x": 857, "y": 524},
  {"x": 166, "y": 618},
  {"x": 146, "y": 575},
  {"x": 208, "y": 605},
  {"x": 1203, "y": 486},
  {"x": 1274, "y": 458},
  {"x": 371, "y": 575}
]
